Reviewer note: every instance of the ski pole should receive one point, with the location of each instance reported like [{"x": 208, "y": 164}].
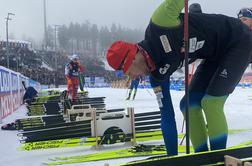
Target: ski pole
[
  {"x": 183, "y": 126},
  {"x": 144, "y": 86},
  {"x": 148, "y": 91},
  {"x": 186, "y": 39}
]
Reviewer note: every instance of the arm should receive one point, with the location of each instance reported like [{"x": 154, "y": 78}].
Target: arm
[
  {"x": 168, "y": 123},
  {"x": 167, "y": 14},
  {"x": 67, "y": 70}
]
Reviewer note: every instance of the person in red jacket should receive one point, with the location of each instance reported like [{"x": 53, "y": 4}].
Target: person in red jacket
[{"x": 72, "y": 70}]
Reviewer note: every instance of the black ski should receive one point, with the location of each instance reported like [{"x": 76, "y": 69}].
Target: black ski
[{"x": 204, "y": 158}]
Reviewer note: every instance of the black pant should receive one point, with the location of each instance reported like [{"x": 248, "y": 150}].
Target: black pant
[{"x": 220, "y": 77}]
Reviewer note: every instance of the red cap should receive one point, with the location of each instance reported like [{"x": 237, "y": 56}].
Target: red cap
[{"x": 121, "y": 55}]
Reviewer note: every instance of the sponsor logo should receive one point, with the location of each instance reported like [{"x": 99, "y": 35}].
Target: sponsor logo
[
  {"x": 5, "y": 81},
  {"x": 200, "y": 44},
  {"x": 195, "y": 45},
  {"x": 158, "y": 91},
  {"x": 166, "y": 44},
  {"x": 163, "y": 70},
  {"x": 224, "y": 73}
]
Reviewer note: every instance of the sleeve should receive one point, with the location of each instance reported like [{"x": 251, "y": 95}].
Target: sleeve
[
  {"x": 162, "y": 91},
  {"x": 167, "y": 14},
  {"x": 168, "y": 121},
  {"x": 66, "y": 69}
]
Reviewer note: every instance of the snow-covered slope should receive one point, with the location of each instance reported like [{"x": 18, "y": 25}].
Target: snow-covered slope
[{"x": 237, "y": 108}]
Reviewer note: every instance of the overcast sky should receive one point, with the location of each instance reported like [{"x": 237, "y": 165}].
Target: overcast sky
[{"x": 28, "y": 19}]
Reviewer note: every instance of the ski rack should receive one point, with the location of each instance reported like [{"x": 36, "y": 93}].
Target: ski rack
[
  {"x": 55, "y": 107},
  {"x": 140, "y": 123},
  {"x": 80, "y": 125}
]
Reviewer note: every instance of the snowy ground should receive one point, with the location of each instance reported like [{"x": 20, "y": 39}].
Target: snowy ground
[{"x": 238, "y": 111}]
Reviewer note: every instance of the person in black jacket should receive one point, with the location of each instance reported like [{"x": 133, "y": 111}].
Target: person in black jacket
[
  {"x": 195, "y": 8},
  {"x": 30, "y": 94},
  {"x": 224, "y": 43},
  {"x": 245, "y": 15}
]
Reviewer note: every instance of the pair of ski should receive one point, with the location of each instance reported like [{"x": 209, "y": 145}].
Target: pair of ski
[{"x": 91, "y": 141}]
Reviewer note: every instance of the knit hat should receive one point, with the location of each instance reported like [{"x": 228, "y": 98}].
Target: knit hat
[{"x": 121, "y": 55}]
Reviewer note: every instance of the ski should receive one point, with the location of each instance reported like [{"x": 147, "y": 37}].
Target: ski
[
  {"x": 56, "y": 130},
  {"x": 55, "y": 125},
  {"x": 147, "y": 114},
  {"x": 135, "y": 151},
  {"x": 204, "y": 158},
  {"x": 53, "y": 137}
]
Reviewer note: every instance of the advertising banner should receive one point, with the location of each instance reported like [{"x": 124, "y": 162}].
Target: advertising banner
[{"x": 12, "y": 90}]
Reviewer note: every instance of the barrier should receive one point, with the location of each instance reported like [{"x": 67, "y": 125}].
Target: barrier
[{"x": 12, "y": 91}]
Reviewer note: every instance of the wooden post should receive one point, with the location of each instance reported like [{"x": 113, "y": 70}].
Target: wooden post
[
  {"x": 95, "y": 127},
  {"x": 247, "y": 164},
  {"x": 132, "y": 123},
  {"x": 232, "y": 161}
]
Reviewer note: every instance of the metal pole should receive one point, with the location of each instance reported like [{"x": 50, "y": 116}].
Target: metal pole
[
  {"x": 7, "y": 38},
  {"x": 17, "y": 62},
  {"x": 55, "y": 45},
  {"x": 55, "y": 50},
  {"x": 45, "y": 25},
  {"x": 7, "y": 42},
  {"x": 186, "y": 38}
]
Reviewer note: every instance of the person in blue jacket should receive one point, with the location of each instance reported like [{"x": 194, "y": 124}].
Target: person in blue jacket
[
  {"x": 224, "y": 44},
  {"x": 133, "y": 88}
]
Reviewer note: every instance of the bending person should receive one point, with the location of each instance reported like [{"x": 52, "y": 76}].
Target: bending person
[{"x": 226, "y": 49}]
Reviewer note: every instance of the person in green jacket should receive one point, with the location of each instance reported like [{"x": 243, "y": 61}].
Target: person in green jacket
[{"x": 224, "y": 44}]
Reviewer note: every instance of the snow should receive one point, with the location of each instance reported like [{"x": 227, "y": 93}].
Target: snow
[{"x": 237, "y": 109}]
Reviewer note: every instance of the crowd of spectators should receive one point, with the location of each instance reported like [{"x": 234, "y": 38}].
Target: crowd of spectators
[{"x": 47, "y": 67}]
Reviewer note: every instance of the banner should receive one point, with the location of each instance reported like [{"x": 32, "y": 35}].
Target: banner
[
  {"x": 12, "y": 90},
  {"x": 95, "y": 82}
]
